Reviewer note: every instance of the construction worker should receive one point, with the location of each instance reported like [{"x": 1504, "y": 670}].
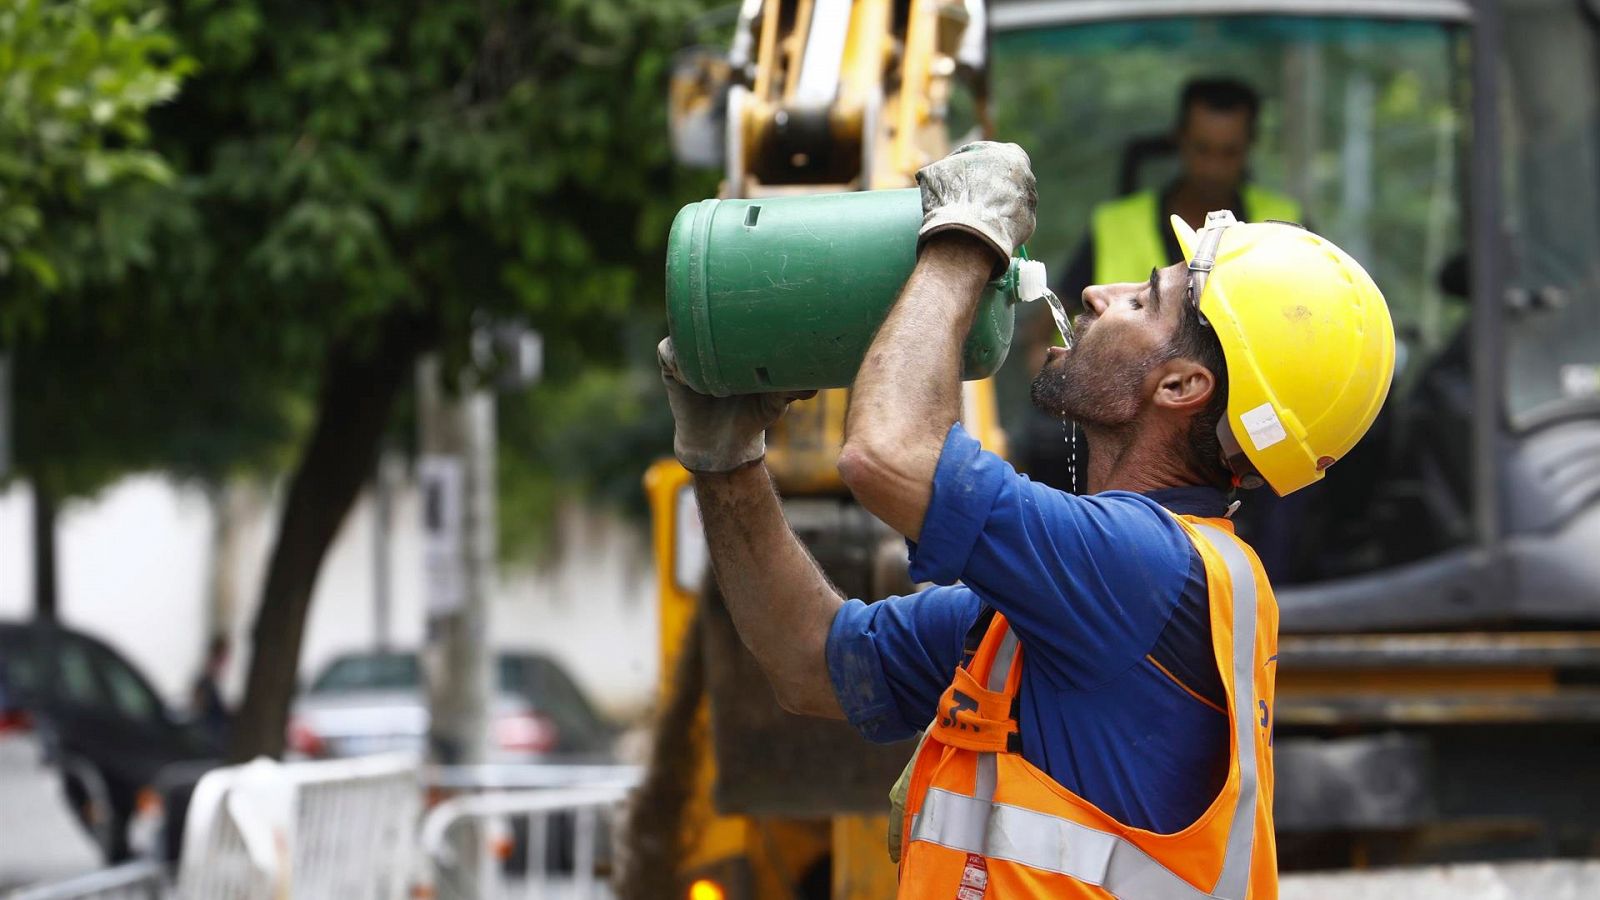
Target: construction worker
[
  {"x": 1094, "y": 673},
  {"x": 1215, "y": 128}
]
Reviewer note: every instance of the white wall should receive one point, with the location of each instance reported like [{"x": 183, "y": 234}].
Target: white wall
[
  {"x": 134, "y": 568},
  {"x": 595, "y": 610},
  {"x": 131, "y": 567}
]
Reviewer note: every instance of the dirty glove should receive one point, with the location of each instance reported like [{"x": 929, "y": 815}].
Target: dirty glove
[
  {"x": 718, "y": 434},
  {"x": 985, "y": 189}
]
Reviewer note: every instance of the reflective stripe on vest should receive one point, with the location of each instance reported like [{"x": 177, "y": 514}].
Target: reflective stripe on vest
[
  {"x": 1002, "y": 661},
  {"x": 978, "y": 825},
  {"x": 1128, "y": 240},
  {"x": 1043, "y": 841}
]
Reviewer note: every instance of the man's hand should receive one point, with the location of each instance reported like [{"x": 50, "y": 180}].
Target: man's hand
[
  {"x": 985, "y": 189},
  {"x": 718, "y": 434}
]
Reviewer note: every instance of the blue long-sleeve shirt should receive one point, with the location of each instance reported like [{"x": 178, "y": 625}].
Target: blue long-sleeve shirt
[{"x": 1121, "y": 701}]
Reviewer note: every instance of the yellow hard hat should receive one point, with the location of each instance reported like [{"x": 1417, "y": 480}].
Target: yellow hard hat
[{"x": 1308, "y": 342}]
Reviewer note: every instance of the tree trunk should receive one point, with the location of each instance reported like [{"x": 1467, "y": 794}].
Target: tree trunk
[
  {"x": 44, "y": 553},
  {"x": 220, "y": 609},
  {"x": 358, "y": 391},
  {"x": 5, "y": 414}
]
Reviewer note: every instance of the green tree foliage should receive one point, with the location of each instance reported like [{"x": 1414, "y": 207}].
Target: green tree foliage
[
  {"x": 364, "y": 181},
  {"x": 445, "y": 159},
  {"x": 97, "y": 399},
  {"x": 77, "y": 78},
  {"x": 106, "y": 381}
]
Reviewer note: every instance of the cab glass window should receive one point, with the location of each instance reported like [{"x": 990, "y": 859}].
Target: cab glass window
[
  {"x": 1363, "y": 124},
  {"x": 1551, "y": 139}
]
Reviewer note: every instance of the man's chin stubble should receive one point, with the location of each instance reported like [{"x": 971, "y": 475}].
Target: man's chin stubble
[{"x": 1049, "y": 393}]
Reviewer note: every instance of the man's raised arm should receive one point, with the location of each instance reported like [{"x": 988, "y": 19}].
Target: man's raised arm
[
  {"x": 978, "y": 205},
  {"x": 781, "y": 603}
]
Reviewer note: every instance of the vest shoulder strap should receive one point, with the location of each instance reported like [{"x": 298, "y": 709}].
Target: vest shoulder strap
[
  {"x": 978, "y": 711},
  {"x": 1235, "y": 878}
]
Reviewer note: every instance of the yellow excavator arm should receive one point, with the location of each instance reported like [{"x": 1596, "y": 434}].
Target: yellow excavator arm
[{"x": 840, "y": 95}]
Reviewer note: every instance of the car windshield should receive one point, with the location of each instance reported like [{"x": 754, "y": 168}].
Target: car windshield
[
  {"x": 1551, "y": 136},
  {"x": 402, "y": 671},
  {"x": 386, "y": 672}
]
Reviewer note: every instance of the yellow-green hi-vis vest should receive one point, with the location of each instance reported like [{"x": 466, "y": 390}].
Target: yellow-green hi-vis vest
[{"x": 1128, "y": 244}]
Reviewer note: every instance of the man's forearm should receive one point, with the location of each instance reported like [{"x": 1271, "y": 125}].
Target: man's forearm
[
  {"x": 781, "y": 603},
  {"x": 907, "y": 393},
  {"x": 909, "y": 383}
]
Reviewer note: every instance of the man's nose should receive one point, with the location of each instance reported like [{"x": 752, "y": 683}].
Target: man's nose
[{"x": 1096, "y": 297}]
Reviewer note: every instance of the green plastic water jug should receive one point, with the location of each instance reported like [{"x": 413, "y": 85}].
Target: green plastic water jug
[{"x": 785, "y": 293}]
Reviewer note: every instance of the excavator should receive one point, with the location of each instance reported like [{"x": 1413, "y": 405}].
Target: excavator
[{"x": 1439, "y": 667}]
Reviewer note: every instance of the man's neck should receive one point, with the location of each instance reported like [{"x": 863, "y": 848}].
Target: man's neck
[{"x": 1127, "y": 459}]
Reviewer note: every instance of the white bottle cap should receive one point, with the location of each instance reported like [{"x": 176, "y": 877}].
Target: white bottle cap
[{"x": 1032, "y": 282}]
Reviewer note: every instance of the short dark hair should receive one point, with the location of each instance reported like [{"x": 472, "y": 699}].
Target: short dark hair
[
  {"x": 1222, "y": 95},
  {"x": 1195, "y": 340}
]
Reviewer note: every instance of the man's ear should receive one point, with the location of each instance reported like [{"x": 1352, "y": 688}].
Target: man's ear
[{"x": 1184, "y": 385}]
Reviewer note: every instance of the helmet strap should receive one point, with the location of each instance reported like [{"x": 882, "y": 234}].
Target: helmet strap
[
  {"x": 1205, "y": 255},
  {"x": 1244, "y": 471},
  {"x": 1200, "y": 266}
]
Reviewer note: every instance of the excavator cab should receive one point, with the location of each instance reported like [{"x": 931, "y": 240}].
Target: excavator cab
[{"x": 1362, "y": 123}]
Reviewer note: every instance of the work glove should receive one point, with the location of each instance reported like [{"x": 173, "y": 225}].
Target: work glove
[
  {"x": 985, "y": 189},
  {"x": 718, "y": 434}
]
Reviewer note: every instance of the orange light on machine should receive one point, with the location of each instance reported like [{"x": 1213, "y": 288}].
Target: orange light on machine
[
  {"x": 705, "y": 889},
  {"x": 148, "y": 802}
]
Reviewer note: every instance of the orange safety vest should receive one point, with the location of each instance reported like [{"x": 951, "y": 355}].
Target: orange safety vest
[{"x": 982, "y": 823}]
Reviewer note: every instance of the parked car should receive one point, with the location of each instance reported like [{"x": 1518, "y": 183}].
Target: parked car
[
  {"x": 373, "y": 702},
  {"x": 101, "y": 724}
]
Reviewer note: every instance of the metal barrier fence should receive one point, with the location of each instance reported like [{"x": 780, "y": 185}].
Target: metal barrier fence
[
  {"x": 529, "y": 776},
  {"x": 348, "y": 829},
  {"x": 262, "y": 831},
  {"x": 525, "y": 831},
  {"x": 132, "y": 881}
]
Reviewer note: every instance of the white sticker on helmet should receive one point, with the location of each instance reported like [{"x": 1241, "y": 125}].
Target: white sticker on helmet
[{"x": 1263, "y": 426}]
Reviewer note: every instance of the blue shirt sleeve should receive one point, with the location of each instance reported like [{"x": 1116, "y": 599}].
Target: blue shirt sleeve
[
  {"x": 890, "y": 661},
  {"x": 1087, "y": 582}
]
